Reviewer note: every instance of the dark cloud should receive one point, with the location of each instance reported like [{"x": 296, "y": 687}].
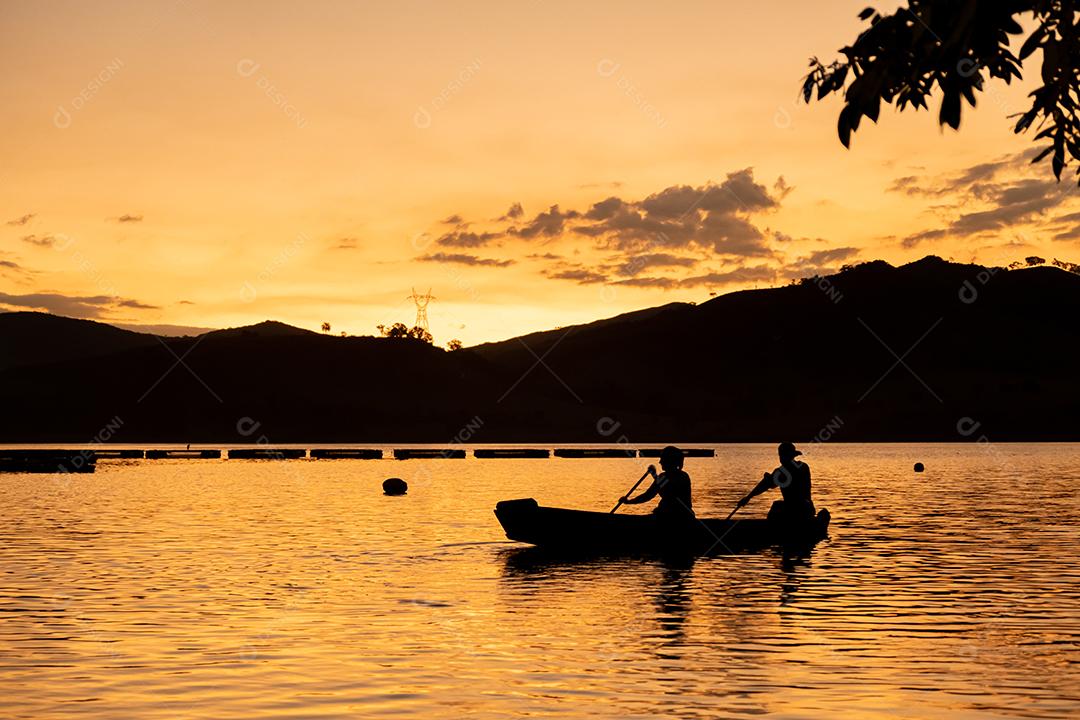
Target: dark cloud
[
  {"x": 135, "y": 304},
  {"x": 461, "y": 259},
  {"x": 39, "y": 240},
  {"x": 832, "y": 255},
  {"x": 819, "y": 262},
  {"x": 740, "y": 275},
  {"x": 636, "y": 264},
  {"x": 1007, "y": 192},
  {"x": 753, "y": 273},
  {"x": 12, "y": 268},
  {"x": 1015, "y": 203},
  {"x": 22, "y": 220},
  {"x": 664, "y": 229},
  {"x": 514, "y": 213},
  {"x": 347, "y": 243},
  {"x": 467, "y": 239},
  {"x": 92, "y": 306},
  {"x": 663, "y": 283},
  {"x": 606, "y": 209},
  {"x": 781, "y": 189},
  {"x": 452, "y": 220},
  {"x": 582, "y": 276},
  {"x": 912, "y": 240},
  {"x": 549, "y": 223},
  {"x": 125, "y": 218},
  {"x": 713, "y": 216},
  {"x": 962, "y": 181}
]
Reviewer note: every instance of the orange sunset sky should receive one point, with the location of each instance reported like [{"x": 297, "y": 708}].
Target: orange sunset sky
[{"x": 536, "y": 164}]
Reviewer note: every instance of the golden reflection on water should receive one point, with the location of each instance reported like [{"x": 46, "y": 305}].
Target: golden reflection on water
[{"x": 295, "y": 589}]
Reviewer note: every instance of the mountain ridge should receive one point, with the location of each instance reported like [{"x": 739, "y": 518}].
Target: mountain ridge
[{"x": 879, "y": 352}]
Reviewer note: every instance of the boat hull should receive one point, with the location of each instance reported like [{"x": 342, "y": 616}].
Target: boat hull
[{"x": 578, "y": 530}]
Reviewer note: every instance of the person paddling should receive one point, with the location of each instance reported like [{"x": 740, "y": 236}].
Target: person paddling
[
  {"x": 793, "y": 479},
  {"x": 672, "y": 485}
]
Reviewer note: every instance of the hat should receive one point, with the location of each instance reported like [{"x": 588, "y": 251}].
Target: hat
[
  {"x": 787, "y": 450},
  {"x": 672, "y": 454}
]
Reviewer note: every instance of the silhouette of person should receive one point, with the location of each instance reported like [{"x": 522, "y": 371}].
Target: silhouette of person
[
  {"x": 793, "y": 479},
  {"x": 672, "y": 485}
]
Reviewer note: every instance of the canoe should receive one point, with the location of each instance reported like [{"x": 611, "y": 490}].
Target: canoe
[{"x": 579, "y": 530}]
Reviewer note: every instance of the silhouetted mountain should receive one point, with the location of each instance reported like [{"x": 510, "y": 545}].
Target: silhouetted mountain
[
  {"x": 919, "y": 352},
  {"x": 265, "y": 329},
  {"x": 33, "y": 338}
]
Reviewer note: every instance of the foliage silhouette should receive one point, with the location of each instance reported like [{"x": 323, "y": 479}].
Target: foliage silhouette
[
  {"x": 951, "y": 47},
  {"x": 399, "y": 331}
]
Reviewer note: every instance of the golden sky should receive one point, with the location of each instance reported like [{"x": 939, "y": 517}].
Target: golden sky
[{"x": 535, "y": 164}]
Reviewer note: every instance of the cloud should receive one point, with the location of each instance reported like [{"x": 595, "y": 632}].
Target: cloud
[
  {"x": 452, "y": 220},
  {"x": 580, "y": 275},
  {"x": 713, "y": 217},
  {"x": 988, "y": 198},
  {"x": 125, "y": 218},
  {"x": 466, "y": 239},
  {"x": 665, "y": 229},
  {"x": 22, "y": 220},
  {"x": 636, "y": 264},
  {"x": 832, "y": 255},
  {"x": 740, "y": 275},
  {"x": 92, "y": 306},
  {"x": 781, "y": 188},
  {"x": 912, "y": 240},
  {"x": 964, "y": 180},
  {"x": 461, "y": 259},
  {"x": 819, "y": 262},
  {"x": 12, "y": 268},
  {"x": 614, "y": 184},
  {"x": 39, "y": 240},
  {"x": 515, "y": 212},
  {"x": 346, "y": 243},
  {"x": 547, "y": 224}
]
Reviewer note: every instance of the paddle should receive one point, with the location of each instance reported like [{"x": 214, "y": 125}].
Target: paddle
[
  {"x": 618, "y": 505},
  {"x": 737, "y": 506}
]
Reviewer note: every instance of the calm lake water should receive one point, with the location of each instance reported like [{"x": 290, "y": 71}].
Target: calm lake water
[{"x": 165, "y": 589}]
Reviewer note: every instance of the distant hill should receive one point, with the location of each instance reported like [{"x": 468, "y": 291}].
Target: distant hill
[
  {"x": 34, "y": 338},
  {"x": 814, "y": 360}
]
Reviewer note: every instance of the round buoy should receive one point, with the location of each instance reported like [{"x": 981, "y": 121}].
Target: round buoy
[
  {"x": 395, "y": 486},
  {"x": 919, "y": 467}
]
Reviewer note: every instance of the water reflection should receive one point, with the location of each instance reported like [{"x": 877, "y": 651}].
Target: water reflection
[{"x": 247, "y": 589}]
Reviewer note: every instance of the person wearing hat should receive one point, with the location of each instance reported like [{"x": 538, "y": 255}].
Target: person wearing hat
[
  {"x": 793, "y": 479},
  {"x": 672, "y": 485}
]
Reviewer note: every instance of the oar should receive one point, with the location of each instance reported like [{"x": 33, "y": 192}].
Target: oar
[
  {"x": 619, "y": 504},
  {"x": 732, "y": 513}
]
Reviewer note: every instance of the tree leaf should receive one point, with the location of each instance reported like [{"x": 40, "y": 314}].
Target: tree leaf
[
  {"x": 1032, "y": 42},
  {"x": 950, "y": 109}
]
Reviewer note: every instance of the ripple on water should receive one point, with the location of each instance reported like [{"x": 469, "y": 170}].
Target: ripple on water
[{"x": 296, "y": 589}]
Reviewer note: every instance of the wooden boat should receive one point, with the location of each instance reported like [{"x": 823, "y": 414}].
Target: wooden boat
[{"x": 580, "y": 530}]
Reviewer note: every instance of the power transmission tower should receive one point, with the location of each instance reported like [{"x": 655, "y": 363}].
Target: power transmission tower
[{"x": 421, "y": 308}]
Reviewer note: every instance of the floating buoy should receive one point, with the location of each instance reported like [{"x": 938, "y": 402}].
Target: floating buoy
[
  {"x": 919, "y": 467},
  {"x": 395, "y": 486}
]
